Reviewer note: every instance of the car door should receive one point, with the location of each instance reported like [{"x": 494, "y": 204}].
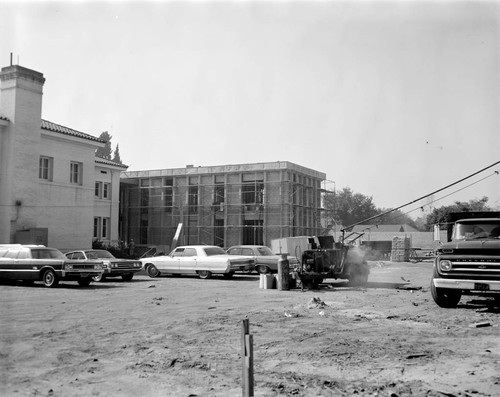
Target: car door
[
  {"x": 187, "y": 262},
  {"x": 246, "y": 251},
  {"x": 9, "y": 265},
  {"x": 171, "y": 263}
]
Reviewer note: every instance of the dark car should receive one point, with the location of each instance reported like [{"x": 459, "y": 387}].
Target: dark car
[
  {"x": 31, "y": 263},
  {"x": 113, "y": 267},
  {"x": 265, "y": 260}
]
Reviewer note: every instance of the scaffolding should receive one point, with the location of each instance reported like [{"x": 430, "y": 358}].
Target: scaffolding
[{"x": 221, "y": 209}]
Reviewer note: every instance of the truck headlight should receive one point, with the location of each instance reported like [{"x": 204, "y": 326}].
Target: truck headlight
[{"x": 445, "y": 266}]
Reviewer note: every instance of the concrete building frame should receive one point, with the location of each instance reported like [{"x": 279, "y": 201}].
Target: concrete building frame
[{"x": 220, "y": 205}]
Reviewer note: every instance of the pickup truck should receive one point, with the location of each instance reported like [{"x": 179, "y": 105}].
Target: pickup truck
[
  {"x": 30, "y": 263},
  {"x": 469, "y": 263}
]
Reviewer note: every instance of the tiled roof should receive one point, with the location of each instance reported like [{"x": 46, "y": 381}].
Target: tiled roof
[
  {"x": 47, "y": 125},
  {"x": 109, "y": 162}
]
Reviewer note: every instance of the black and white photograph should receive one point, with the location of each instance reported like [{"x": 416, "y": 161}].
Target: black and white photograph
[{"x": 250, "y": 198}]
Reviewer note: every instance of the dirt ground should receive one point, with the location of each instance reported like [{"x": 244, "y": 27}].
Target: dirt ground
[{"x": 181, "y": 336}]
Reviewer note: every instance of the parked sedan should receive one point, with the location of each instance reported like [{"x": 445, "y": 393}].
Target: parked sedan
[
  {"x": 113, "y": 267},
  {"x": 203, "y": 260},
  {"x": 265, "y": 261}
]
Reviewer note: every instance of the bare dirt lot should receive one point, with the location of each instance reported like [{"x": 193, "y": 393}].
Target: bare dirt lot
[{"x": 181, "y": 336}]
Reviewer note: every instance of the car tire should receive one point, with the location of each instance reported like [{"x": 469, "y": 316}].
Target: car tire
[
  {"x": 444, "y": 297},
  {"x": 204, "y": 274},
  {"x": 152, "y": 271},
  {"x": 50, "y": 279},
  {"x": 85, "y": 282},
  {"x": 99, "y": 278},
  {"x": 127, "y": 277},
  {"x": 263, "y": 269},
  {"x": 228, "y": 275}
]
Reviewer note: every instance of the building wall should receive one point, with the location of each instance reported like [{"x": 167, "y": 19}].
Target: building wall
[
  {"x": 260, "y": 202},
  {"x": 63, "y": 209},
  {"x": 21, "y": 103}
]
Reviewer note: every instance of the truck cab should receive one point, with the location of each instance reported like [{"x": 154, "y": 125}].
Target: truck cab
[{"x": 469, "y": 263}]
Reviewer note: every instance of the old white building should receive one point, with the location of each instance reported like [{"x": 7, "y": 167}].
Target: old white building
[{"x": 53, "y": 188}]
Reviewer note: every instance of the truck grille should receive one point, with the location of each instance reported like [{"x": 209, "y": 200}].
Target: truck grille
[{"x": 481, "y": 267}]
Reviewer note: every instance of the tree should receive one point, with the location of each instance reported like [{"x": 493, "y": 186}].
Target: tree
[
  {"x": 116, "y": 155},
  {"x": 347, "y": 207},
  {"x": 441, "y": 214},
  {"x": 105, "y": 152}
]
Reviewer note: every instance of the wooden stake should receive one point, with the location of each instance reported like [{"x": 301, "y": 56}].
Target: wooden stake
[{"x": 247, "y": 360}]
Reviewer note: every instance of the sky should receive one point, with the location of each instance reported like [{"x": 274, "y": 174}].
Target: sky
[{"x": 392, "y": 99}]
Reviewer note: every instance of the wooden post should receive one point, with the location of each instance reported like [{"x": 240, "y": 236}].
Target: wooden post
[
  {"x": 247, "y": 359},
  {"x": 283, "y": 273}
]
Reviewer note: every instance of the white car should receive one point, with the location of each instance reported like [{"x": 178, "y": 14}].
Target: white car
[{"x": 203, "y": 260}]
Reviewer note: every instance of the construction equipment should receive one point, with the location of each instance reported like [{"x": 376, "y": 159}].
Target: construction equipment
[{"x": 324, "y": 258}]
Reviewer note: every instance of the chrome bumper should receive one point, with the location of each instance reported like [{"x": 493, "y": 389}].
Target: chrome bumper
[{"x": 465, "y": 284}]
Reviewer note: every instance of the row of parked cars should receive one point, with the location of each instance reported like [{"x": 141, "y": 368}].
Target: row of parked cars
[{"x": 31, "y": 263}]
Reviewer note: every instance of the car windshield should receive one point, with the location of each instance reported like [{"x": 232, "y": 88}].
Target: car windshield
[
  {"x": 476, "y": 230},
  {"x": 264, "y": 251},
  {"x": 214, "y": 251},
  {"x": 99, "y": 255},
  {"x": 46, "y": 253}
]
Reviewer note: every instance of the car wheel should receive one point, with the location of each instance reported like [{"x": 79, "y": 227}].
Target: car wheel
[
  {"x": 445, "y": 297},
  {"x": 228, "y": 275},
  {"x": 152, "y": 271},
  {"x": 49, "y": 279},
  {"x": 85, "y": 282},
  {"x": 100, "y": 277},
  {"x": 204, "y": 274},
  {"x": 263, "y": 270},
  {"x": 128, "y": 276}
]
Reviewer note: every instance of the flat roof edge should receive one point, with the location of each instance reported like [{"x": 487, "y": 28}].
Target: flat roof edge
[{"x": 221, "y": 169}]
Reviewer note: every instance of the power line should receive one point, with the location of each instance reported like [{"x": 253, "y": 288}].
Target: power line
[
  {"x": 440, "y": 198},
  {"x": 423, "y": 197}
]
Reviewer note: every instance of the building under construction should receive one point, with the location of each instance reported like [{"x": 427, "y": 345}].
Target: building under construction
[{"x": 220, "y": 205}]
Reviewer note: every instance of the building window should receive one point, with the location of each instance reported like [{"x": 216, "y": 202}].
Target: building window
[
  {"x": 105, "y": 228},
  {"x": 253, "y": 232},
  {"x": 193, "y": 199},
  {"x": 168, "y": 194},
  {"x": 98, "y": 189},
  {"x": 45, "y": 168},
  {"x": 101, "y": 228},
  {"x": 75, "y": 173},
  {"x": 102, "y": 190},
  {"x": 105, "y": 191},
  {"x": 252, "y": 192},
  {"x": 97, "y": 227},
  {"x": 144, "y": 195},
  {"x": 219, "y": 193}
]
